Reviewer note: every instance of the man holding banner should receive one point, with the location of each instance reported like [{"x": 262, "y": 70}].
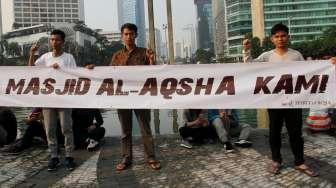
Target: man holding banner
[
  {"x": 133, "y": 55},
  {"x": 291, "y": 117},
  {"x": 57, "y": 59}
]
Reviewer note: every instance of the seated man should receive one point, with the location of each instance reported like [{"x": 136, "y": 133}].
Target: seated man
[
  {"x": 86, "y": 132},
  {"x": 8, "y": 126},
  {"x": 222, "y": 130},
  {"x": 242, "y": 131},
  {"x": 196, "y": 127},
  {"x": 35, "y": 129}
]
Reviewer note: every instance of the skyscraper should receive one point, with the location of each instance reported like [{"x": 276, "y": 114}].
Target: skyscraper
[
  {"x": 204, "y": 24},
  {"x": 133, "y": 11},
  {"x": 306, "y": 19},
  {"x": 220, "y": 34},
  {"x": 239, "y": 22},
  {"x": 26, "y": 13}
]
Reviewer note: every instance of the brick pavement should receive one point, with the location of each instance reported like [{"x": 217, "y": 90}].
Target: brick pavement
[{"x": 202, "y": 166}]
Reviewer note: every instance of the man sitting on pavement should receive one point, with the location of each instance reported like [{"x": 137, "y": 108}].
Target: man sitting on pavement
[
  {"x": 35, "y": 130},
  {"x": 196, "y": 127},
  {"x": 230, "y": 119},
  {"x": 87, "y": 133},
  {"x": 222, "y": 130}
]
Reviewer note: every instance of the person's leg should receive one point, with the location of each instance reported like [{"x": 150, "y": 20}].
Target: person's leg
[
  {"x": 80, "y": 138},
  {"x": 221, "y": 129},
  {"x": 125, "y": 118},
  {"x": 97, "y": 134},
  {"x": 293, "y": 120},
  {"x": 35, "y": 128},
  {"x": 275, "y": 127},
  {"x": 184, "y": 132},
  {"x": 143, "y": 116},
  {"x": 66, "y": 126},
  {"x": 3, "y": 136},
  {"x": 245, "y": 131},
  {"x": 50, "y": 123},
  {"x": 209, "y": 133}
]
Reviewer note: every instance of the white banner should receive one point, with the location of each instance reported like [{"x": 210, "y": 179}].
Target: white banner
[{"x": 257, "y": 85}]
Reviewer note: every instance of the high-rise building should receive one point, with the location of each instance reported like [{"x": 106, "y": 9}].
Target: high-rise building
[
  {"x": 219, "y": 30},
  {"x": 27, "y": 13},
  {"x": 204, "y": 24},
  {"x": 306, "y": 19},
  {"x": 133, "y": 11},
  {"x": 190, "y": 39},
  {"x": 239, "y": 23},
  {"x": 112, "y": 36}
]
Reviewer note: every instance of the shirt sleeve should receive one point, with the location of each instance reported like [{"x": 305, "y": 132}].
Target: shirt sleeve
[
  {"x": 247, "y": 57},
  {"x": 41, "y": 61},
  {"x": 262, "y": 58},
  {"x": 72, "y": 62},
  {"x": 301, "y": 57}
]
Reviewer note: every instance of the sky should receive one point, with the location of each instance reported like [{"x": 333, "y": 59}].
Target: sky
[{"x": 102, "y": 14}]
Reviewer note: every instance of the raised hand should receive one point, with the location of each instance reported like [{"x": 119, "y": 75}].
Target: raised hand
[
  {"x": 150, "y": 56},
  {"x": 33, "y": 49}
]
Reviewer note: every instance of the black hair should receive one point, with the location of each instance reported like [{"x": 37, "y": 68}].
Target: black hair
[
  {"x": 279, "y": 27},
  {"x": 129, "y": 26},
  {"x": 58, "y": 32}
]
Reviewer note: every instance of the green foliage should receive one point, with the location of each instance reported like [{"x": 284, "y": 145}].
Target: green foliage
[
  {"x": 13, "y": 49},
  {"x": 320, "y": 48},
  {"x": 256, "y": 48},
  {"x": 203, "y": 56},
  {"x": 267, "y": 44}
]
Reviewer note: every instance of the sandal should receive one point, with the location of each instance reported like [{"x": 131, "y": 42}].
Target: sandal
[
  {"x": 153, "y": 164},
  {"x": 122, "y": 166},
  {"x": 307, "y": 170},
  {"x": 275, "y": 168}
]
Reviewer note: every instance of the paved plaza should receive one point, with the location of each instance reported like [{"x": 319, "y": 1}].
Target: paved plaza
[{"x": 203, "y": 166}]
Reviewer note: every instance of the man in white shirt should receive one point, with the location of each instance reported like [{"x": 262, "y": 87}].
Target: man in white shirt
[
  {"x": 291, "y": 117},
  {"x": 57, "y": 59}
]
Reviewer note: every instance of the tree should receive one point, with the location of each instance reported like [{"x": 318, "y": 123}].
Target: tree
[
  {"x": 267, "y": 44},
  {"x": 14, "y": 49},
  {"x": 203, "y": 56},
  {"x": 320, "y": 48},
  {"x": 256, "y": 48}
]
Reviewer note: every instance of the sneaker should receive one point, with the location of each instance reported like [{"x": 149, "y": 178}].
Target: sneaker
[
  {"x": 53, "y": 164},
  {"x": 186, "y": 144},
  {"x": 243, "y": 143},
  {"x": 228, "y": 147},
  {"x": 69, "y": 163},
  {"x": 92, "y": 145}
]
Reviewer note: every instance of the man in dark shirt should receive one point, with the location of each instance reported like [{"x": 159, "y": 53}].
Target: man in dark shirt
[
  {"x": 133, "y": 55},
  {"x": 87, "y": 133}
]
